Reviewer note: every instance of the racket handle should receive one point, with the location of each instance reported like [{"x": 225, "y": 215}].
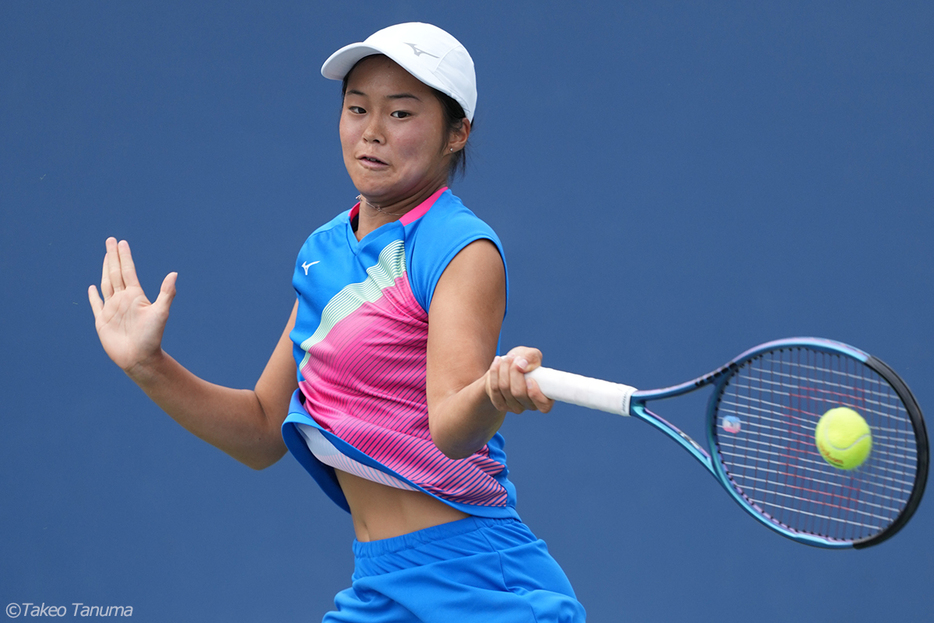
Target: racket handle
[{"x": 583, "y": 391}]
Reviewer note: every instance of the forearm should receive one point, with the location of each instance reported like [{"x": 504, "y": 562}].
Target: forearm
[
  {"x": 232, "y": 420},
  {"x": 464, "y": 421},
  {"x": 469, "y": 388}
]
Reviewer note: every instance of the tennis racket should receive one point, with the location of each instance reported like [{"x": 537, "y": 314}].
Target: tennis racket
[{"x": 761, "y": 419}]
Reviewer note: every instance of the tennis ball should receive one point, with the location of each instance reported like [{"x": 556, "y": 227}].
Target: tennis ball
[{"x": 843, "y": 438}]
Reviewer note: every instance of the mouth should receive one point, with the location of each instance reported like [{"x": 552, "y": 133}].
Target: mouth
[{"x": 371, "y": 160}]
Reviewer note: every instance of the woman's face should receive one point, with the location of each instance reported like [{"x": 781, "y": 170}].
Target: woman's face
[{"x": 392, "y": 133}]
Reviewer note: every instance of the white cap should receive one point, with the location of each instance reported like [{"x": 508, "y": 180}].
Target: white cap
[{"x": 425, "y": 51}]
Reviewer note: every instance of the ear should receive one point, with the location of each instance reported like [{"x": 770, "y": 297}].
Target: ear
[{"x": 459, "y": 136}]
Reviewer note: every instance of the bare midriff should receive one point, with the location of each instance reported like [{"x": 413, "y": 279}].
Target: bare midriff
[{"x": 382, "y": 512}]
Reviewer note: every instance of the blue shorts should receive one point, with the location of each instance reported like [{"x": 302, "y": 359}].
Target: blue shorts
[{"x": 475, "y": 569}]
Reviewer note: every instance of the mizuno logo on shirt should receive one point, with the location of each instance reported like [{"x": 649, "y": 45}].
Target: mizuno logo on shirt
[{"x": 307, "y": 265}]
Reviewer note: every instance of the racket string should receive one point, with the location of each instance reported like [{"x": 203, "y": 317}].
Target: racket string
[{"x": 772, "y": 459}]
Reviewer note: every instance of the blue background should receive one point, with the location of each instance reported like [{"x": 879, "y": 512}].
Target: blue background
[{"x": 673, "y": 182}]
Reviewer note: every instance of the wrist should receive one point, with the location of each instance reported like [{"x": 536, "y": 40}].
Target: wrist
[{"x": 149, "y": 369}]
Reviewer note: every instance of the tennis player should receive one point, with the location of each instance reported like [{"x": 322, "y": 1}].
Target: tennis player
[{"x": 385, "y": 385}]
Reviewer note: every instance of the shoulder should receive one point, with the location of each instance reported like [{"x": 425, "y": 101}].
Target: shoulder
[
  {"x": 437, "y": 237},
  {"x": 445, "y": 229},
  {"x": 338, "y": 222},
  {"x": 449, "y": 215}
]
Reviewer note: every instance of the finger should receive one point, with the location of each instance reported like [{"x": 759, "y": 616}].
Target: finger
[
  {"x": 542, "y": 402},
  {"x": 532, "y": 356},
  {"x": 107, "y": 289},
  {"x": 127, "y": 267},
  {"x": 499, "y": 387},
  {"x": 511, "y": 388},
  {"x": 113, "y": 266},
  {"x": 528, "y": 359},
  {"x": 96, "y": 303},
  {"x": 520, "y": 386},
  {"x": 527, "y": 391},
  {"x": 492, "y": 385},
  {"x": 167, "y": 292}
]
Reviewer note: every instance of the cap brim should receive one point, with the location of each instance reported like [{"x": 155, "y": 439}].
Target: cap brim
[{"x": 341, "y": 62}]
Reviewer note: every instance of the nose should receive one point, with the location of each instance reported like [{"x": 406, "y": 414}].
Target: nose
[{"x": 373, "y": 132}]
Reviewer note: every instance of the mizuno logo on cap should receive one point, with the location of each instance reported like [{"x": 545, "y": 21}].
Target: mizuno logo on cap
[{"x": 418, "y": 51}]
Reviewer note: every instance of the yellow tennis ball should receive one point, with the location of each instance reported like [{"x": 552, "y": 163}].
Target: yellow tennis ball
[{"x": 843, "y": 438}]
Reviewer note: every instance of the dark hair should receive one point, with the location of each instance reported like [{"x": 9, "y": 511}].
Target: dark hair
[{"x": 454, "y": 118}]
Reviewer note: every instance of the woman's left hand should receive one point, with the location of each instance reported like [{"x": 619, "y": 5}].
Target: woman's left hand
[{"x": 507, "y": 386}]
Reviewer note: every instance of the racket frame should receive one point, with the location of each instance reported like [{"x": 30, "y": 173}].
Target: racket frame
[{"x": 633, "y": 402}]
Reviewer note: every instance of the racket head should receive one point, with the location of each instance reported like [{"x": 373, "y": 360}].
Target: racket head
[{"x": 761, "y": 421}]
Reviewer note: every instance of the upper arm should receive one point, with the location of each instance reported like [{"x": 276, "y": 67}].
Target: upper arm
[
  {"x": 279, "y": 380},
  {"x": 465, "y": 318}
]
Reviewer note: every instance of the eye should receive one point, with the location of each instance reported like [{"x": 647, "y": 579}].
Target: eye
[
  {"x": 357, "y": 110},
  {"x": 400, "y": 114}
]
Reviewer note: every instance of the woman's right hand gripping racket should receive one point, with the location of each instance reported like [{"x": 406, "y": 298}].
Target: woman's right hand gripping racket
[{"x": 761, "y": 421}]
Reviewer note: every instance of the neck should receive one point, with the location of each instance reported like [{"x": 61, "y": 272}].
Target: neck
[
  {"x": 374, "y": 214},
  {"x": 364, "y": 204}
]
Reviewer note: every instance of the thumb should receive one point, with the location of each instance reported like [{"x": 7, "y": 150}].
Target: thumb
[
  {"x": 167, "y": 292},
  {"x": 97, "y": 304}
]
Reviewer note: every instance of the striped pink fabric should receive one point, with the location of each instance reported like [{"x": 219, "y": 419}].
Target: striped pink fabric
[{"x": 365, "y": 382}]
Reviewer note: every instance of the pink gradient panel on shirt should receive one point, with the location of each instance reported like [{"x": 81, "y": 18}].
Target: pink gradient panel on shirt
[{"x": 365, "y": 382}]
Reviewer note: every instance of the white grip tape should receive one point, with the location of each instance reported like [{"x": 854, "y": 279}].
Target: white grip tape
[{"x": 583, "y": 390}]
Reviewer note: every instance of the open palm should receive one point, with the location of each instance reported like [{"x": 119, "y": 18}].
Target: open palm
[{"x": 129, "y": 326}]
